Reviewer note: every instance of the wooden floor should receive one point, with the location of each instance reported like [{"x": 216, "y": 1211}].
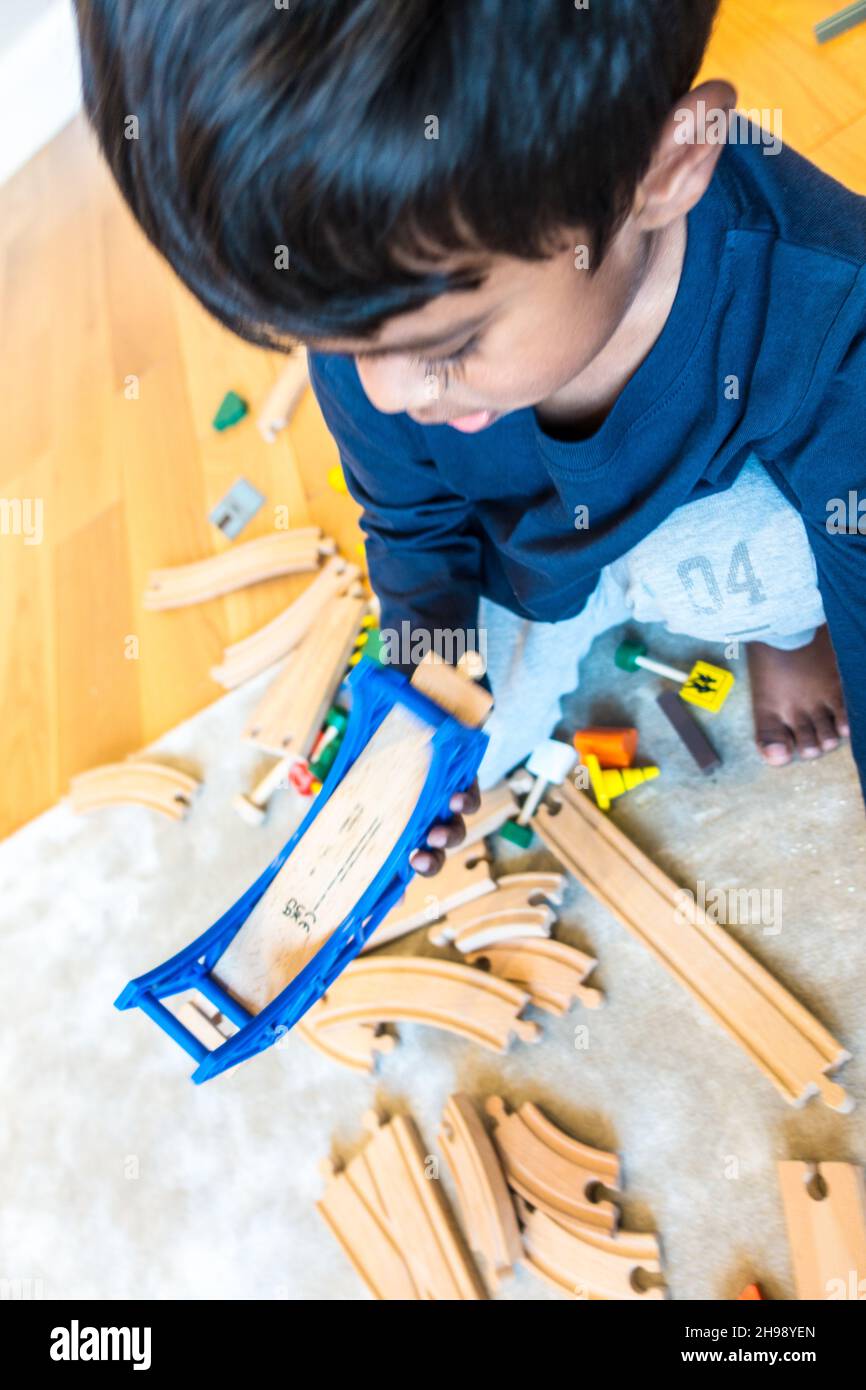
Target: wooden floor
[{"x": 126, "y": 484}]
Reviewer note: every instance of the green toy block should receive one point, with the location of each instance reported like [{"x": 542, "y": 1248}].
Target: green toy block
[
  {"x": 518, "y": 834},
  {"x": 372, "y": 648},
  {"x": 232, "y": 409},
  {"x": 627, "y": 653}
]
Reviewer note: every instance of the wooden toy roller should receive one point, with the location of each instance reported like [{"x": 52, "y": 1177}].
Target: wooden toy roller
[
  {"x": 136, "y": 782},
  {"x": 284, "y": 396},
  {"x": 282, "y": 552},
  {"x": 782, "y": 1038}
]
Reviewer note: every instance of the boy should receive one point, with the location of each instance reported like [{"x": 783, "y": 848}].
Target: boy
[{"x": 585, "y": 359}]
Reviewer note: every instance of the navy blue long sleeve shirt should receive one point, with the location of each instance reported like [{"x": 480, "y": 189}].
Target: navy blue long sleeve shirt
[{"x": 772, "y": 293}]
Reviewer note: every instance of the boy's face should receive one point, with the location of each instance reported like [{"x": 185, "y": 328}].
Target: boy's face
[
  {"x": 534, "y": 327},
  {"x": 468, "y": 357}
]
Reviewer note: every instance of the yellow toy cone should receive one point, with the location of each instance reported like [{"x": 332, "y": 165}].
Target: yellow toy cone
[{"x": 610, "y": 782}]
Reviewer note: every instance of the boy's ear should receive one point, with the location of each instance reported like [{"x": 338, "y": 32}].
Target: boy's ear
[{"x": 685, "y": 157}]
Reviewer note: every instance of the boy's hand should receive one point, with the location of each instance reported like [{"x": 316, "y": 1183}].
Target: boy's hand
[{"x": 445, "y": 834}]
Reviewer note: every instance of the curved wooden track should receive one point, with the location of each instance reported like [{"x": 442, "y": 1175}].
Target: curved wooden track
[
  {"x": 136, "y": 782},
  {"x": 267, "y": 557},
  {"x": 552, "y": 972},
  {"x": 485, "y": 1202},
  {"x": 550, "y": 1169},
  {"x": 438, "y": 993}
]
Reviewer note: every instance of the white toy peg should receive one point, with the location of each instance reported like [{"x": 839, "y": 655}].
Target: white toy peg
[{"x": 550, "y": 763}]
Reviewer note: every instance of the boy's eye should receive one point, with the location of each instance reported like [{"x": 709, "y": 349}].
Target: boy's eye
[{"x": 443, "y": 367}]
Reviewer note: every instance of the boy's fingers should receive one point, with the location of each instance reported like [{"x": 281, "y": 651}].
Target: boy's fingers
[
  {"x": 466, "y": 802},
  {"x": 427, "y": 861},
  {"x": 447, "y": 834}
]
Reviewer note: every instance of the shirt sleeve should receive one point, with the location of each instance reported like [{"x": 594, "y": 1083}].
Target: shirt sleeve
[
  {"x": 822, "y": 467},
  {"x": 424, "y": 548}
]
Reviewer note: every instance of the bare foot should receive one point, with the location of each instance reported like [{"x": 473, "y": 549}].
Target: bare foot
[{"x": 797, "y": 700}]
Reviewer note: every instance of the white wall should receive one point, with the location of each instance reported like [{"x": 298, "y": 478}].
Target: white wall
[{"x": 40, "y": 79}]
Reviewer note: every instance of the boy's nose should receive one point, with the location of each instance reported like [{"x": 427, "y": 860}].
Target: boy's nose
[{"x": 391, "y": 384}]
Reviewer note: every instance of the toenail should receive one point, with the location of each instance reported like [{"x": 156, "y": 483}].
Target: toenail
[
  {"x": 776, "y": 753},
  {"x": 810, "y": 752}
]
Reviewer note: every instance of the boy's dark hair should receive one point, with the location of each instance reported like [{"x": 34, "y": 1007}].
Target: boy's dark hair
[{"x": 311, "y": 125}]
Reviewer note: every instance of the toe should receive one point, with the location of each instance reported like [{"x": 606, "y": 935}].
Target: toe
[
  {"x": 840, "y": 717},
  {"x": 774, "y": 739},
  {"x": 806, "y": 736},
  {"x": 825, "y": 728}
]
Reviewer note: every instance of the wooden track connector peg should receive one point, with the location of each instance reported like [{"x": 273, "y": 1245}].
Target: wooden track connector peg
[
  {"x": 552, "y": 1171},
  {"x": 825, "y": 1213},
  {"x": 485, "y": 1202},
  {"x": 137, "y": 782},
  {"x": 252, "y": 806}
]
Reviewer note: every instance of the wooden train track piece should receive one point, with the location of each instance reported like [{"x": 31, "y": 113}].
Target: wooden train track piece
[
  {"x": 419, "y": 1211},
  {"x": 514, "y": 924},
  {"x": 365, "y": 1238},
  {"x": 825, "y": 1214},
  {"x": 782, "y": 1038},
  {"x": 583, "y": 1268},
  {"x": 290, "y": 714},
  {"x": 464, "y": 877},
  {"x": 136, "y": 782},
  {"x": 551, "y": 1170},
  {"x": 497, "y": 806},
  {"x": 252, "y": 562},
  {"x": 269, "y": 644},
  {"x": 284, "y": 396},
  {"x": 497, "y": 916},
  {"x": 354, "y": 1045},
  {"x": 552, "y": 973},
  {"x": 485, "y": 1203},
  {"x": 437, "y": 993}
]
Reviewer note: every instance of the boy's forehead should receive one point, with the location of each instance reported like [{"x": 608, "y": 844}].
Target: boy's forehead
[{"x": 446, "y": 320}]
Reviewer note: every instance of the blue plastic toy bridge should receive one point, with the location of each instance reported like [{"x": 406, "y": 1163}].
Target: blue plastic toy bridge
[{"x": 456, "y": 754}]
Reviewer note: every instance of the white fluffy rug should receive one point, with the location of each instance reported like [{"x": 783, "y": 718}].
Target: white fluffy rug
[{"x": 123, "y": 1180}]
